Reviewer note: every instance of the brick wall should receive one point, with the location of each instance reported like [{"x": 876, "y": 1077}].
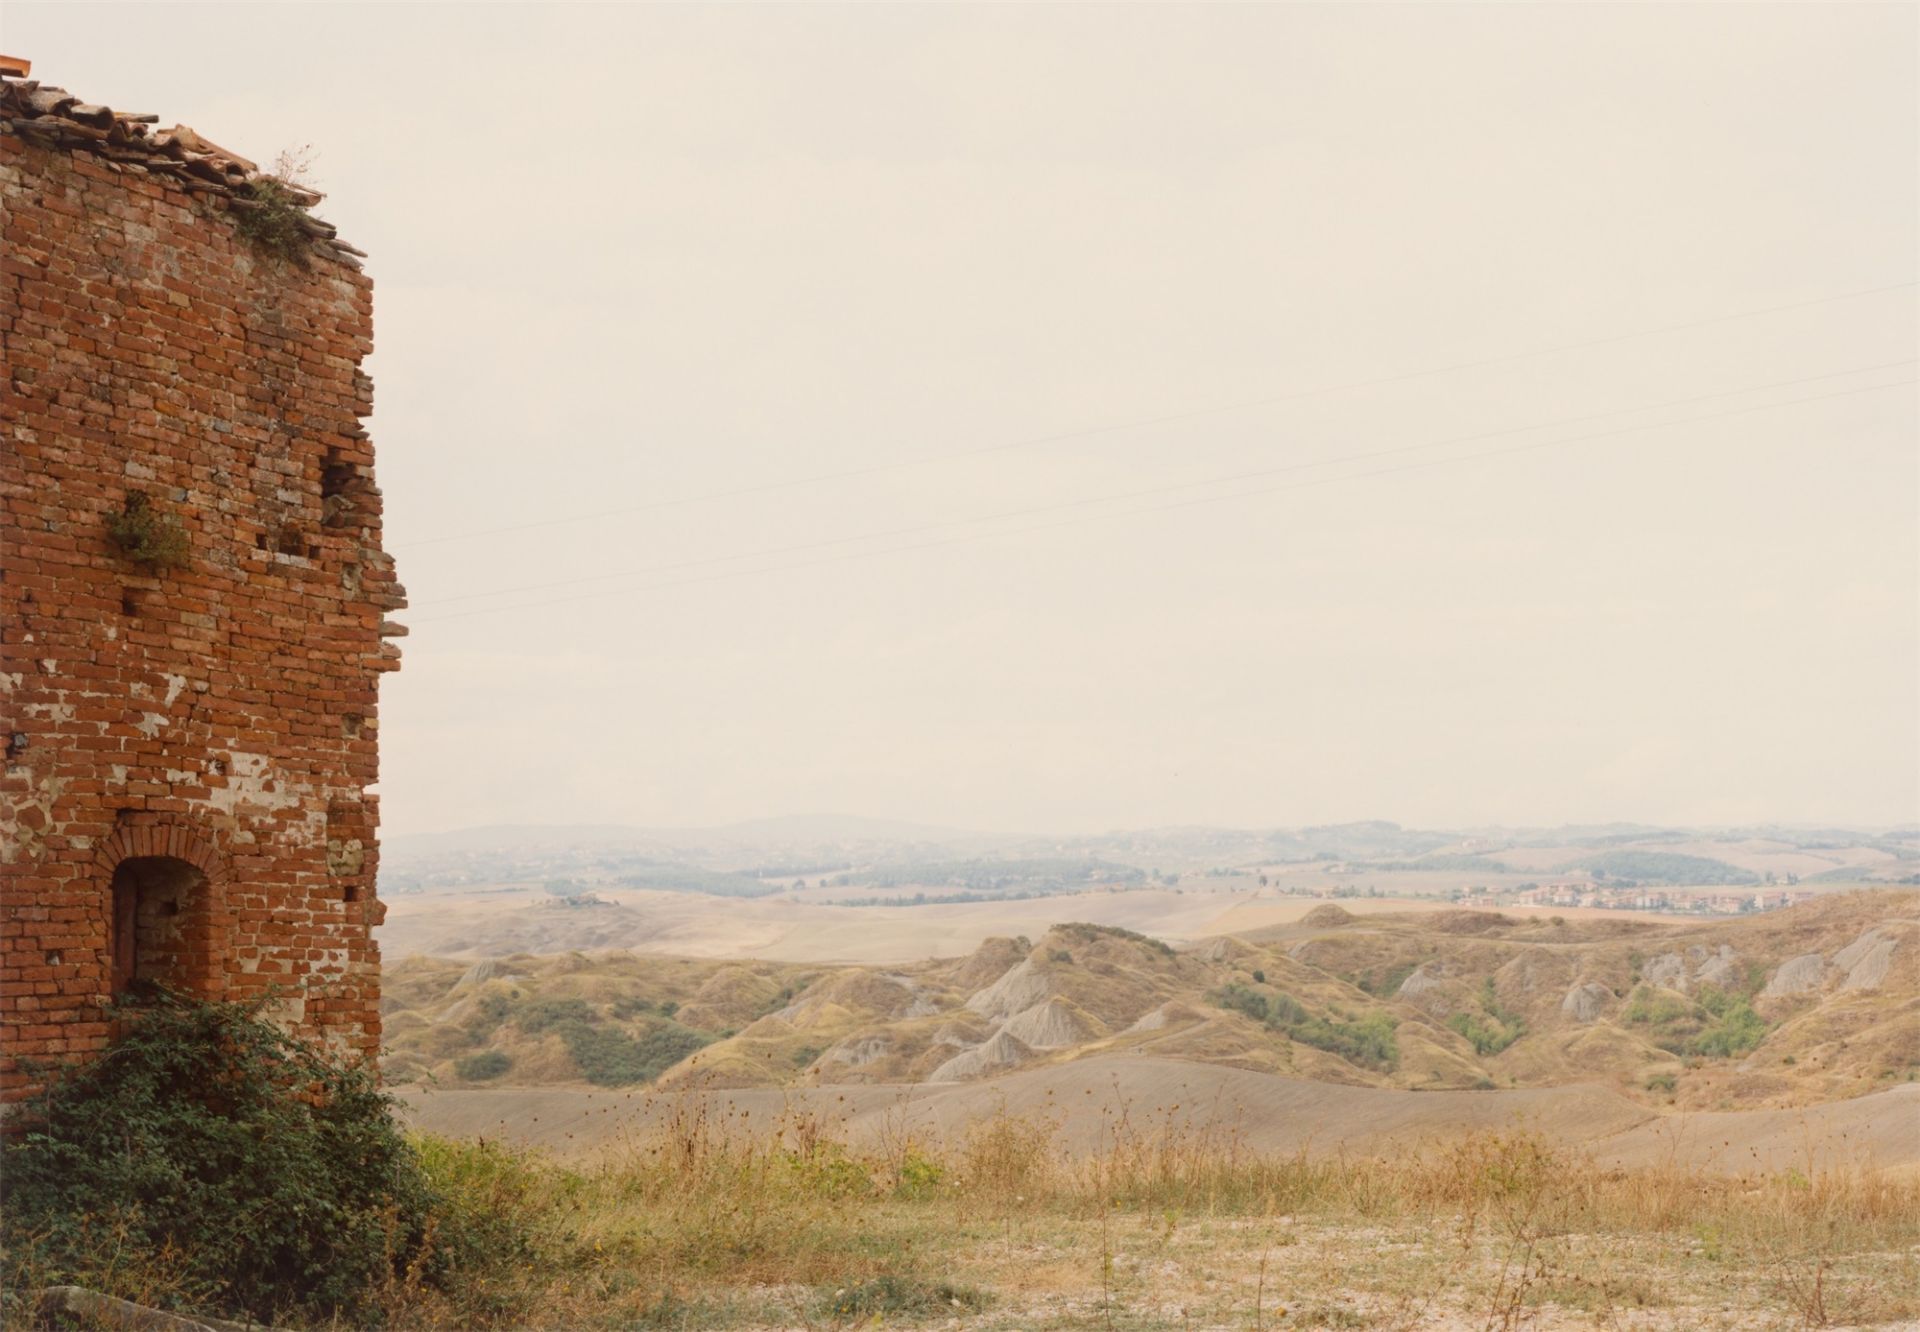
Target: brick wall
[{"x": 194, "y": 744}]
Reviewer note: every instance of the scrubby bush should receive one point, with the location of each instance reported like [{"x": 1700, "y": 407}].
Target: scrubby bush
[
  {"x": 1492, "y": 1029},
  {"x": 1082, "y": 932},
  {"x": 209, "y": 1160},
  {"x": 608, "y": 1057},
  {"x": 480, "y": 1067},
  {"x": 537, "y": 1015},
  {"x": 1367, "y": 1041},
  {"x": 1735, "y": 1029},
  {"x": 1720, "y": 1024}
]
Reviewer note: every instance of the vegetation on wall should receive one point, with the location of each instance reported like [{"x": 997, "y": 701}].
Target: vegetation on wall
[
  {"x": 145, "y": 536},
  {"x": 269, "y": 215}
]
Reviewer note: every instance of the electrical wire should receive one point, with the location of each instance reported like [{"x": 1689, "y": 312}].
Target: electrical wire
[
  {"x": 1178, "y": 504},
  {"x": 1191, "y": 414}
]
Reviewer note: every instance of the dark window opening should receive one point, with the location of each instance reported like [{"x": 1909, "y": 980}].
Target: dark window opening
[
  {"x": 336, "y": 476},
  {"x": 154, "y": 899}
]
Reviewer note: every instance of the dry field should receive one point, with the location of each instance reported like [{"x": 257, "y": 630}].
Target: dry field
[
  {"x": 707, "y": 1218},
  {"x": 1261, "y": 1111}
]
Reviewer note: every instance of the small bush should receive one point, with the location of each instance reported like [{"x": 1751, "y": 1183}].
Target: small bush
[
  {"x": 268, "y": 215},
  {"x": 885, "y": 1295},
  {"x": 919, "y": 1177},
  {"x": 145, "y": 536},
  {"x": 480, "y": 1067},
  {"x": 265, "y": 1173}
]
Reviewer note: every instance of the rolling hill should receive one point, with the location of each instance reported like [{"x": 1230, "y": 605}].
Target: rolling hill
[{"x": 1816, "y": 1003}]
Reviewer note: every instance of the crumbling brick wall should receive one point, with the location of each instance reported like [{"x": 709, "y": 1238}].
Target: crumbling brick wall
[{"x": 189, "y": 748}]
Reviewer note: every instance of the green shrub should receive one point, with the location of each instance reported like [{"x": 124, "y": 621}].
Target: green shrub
[
  {"x": 1494, "y": 1028},
  {"x": 480, "y": 1067},
  {"x": 266, "y": 1174},
  {"x": 920, "y": 1177},
  {"x": 608, "y": 1057},
  {"x": 1736, "y": 1029},
  {"x": 538, "y": 1015},
  {"x": 1719, "y": 1024},
  {"x": 1368, "y": 1041}
]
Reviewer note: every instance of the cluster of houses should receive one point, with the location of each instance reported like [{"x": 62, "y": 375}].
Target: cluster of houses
[{"x": 1585, "y": 893}]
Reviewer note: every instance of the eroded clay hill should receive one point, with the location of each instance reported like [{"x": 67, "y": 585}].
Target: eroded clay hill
[{"x": 1816, "y": 1003}]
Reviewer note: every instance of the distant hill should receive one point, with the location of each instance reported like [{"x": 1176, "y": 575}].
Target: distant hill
[{"x": 1813, "y": 1003}]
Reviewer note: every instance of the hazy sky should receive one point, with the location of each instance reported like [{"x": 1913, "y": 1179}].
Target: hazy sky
[{"x": 633, "y": 257}]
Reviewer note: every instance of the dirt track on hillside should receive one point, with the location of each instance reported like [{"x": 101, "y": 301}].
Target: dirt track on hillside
[{"x": 1264, "y": 1112}]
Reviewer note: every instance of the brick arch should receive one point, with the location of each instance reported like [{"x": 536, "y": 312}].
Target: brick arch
[
  {"x": 168, "y": 838},
  {"x": 176, "y": 839}
]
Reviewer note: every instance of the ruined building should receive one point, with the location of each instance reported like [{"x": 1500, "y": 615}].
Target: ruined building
[{"x": 193, "y": 594}]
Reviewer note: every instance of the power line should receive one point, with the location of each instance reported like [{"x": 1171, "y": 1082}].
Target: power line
[
  {"x": 918, "y": 529},
  {"x": 1180, "y": 504},
  {"x": 1033, "y": 441}
]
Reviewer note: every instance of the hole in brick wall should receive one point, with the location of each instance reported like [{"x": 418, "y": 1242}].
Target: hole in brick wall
[
  {"x": 260, "y": 541},
  {"x": 313, "y": 552},
  {"x": 351, "y": 724},
  {"x": 217, "y": 768},
  {"x": 335, "y": 475},
  {"x": 290, "y": 542},
  {"x": 53, "y": 957},
  {"x": 351, "y": 893},
  {"x": 129, "y": 602},
  {"x": 16, "y": 744}
]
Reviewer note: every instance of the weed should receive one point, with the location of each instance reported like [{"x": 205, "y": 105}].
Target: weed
[
  {"x": 145, "y": 536},
  {"x": 884, "y": 1295}
]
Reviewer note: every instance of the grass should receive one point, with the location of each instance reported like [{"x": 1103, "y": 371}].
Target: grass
[{"x": 711, "y": 1220}]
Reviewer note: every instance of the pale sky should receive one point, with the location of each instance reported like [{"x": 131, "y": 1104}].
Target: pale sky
[{"x": 634, "y": 256}]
